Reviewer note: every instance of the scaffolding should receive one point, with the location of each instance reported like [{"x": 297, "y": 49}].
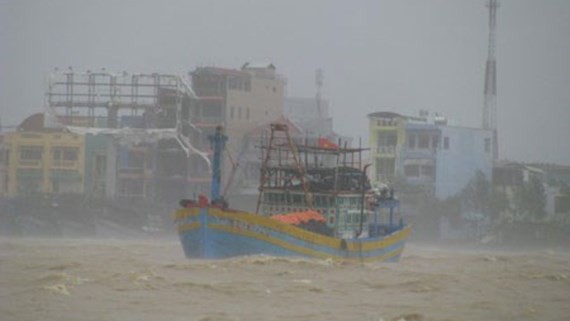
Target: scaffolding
[
  {"x": 97, "y": 99},
  {"x": 323, "y": 167}
]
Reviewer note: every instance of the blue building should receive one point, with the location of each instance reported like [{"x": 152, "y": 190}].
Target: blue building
[{"x": 463, "y": 152}]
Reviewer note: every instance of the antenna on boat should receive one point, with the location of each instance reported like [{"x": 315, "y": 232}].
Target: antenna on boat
[{"x": 363, "y": 191}]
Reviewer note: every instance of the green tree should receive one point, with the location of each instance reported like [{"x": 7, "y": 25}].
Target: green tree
[
  {"x": 498, "y": 203},
  {"x": 476, "y": 195},
  {"x": 530, "y": 200}
]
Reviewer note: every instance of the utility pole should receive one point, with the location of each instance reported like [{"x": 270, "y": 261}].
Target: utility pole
[{"x": 490, "y": 90}]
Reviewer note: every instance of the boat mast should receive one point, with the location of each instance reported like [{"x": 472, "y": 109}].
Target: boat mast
[{"x": 218, "y": 143}]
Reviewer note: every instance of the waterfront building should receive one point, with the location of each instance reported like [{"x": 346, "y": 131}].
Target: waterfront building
[
  {"x": 43, "y": 160},
  {"x": 432, "y": 155},
  {"x": 239, "y": 100}
]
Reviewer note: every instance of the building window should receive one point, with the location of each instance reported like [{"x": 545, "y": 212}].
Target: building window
[
  {"x": 135, "y": 160},
  {"x": 347, "y": 218},
  {"x": 446, "y": 143},
  {"x": 57, "y": 154},
  {"x": 412, "y": 141},
  {"x": 385, "y": 168},
  {"x": 423, "y": 141},
  {"x": 435, "y": 142},
  {"x": 239, "y": 112},
  {"x": 70, "y": 154},
  {"x": 412, "y": 170},
  {"x": 30, "y": 153},
  {"x": 387, "y": 139},
  {"x": 487, "y": 145},
  {"x": 65, "y": 154},
  {"x": 428, "y": 171},
  {"x": 232, "y": 112},
  {"x": 247, "y": 113},
  {"x": 212, "y": 111}
]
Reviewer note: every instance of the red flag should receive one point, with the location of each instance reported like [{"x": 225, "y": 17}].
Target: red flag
[{"x": 325, "y": 143}]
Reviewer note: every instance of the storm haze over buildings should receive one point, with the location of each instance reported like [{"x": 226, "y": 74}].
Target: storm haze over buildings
[{"x": 401, "y": 56}]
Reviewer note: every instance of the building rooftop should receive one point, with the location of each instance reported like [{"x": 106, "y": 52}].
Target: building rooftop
[
  {"x": 219, "y": 71},
  {"x": 258, "y": 65},
  {"x": 386, "y": 114}
]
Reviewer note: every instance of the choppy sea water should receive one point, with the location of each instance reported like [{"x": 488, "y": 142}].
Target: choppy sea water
[{"x": 70, "y": 279}]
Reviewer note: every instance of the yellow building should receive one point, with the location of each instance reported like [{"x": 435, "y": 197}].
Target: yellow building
[
  {"x": 43, "y": 160},
  {"x": 387, "y": 132}
]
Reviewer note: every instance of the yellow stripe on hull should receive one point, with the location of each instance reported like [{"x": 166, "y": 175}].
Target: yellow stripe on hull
[
  {"x": 186, "y": 212},
  {"x": 188, "y": 227},
  {"x": 302, "y": 250}
]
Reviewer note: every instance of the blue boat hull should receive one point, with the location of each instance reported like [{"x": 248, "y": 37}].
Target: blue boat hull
[{"x": 214, "y": 233}]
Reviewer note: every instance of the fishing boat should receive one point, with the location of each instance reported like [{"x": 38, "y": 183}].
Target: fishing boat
[{"x": 314, "y": 201}]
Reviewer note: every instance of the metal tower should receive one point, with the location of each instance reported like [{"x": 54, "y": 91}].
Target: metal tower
[
  {"x": 319, "y": 84},
  {"x": 490, "y": 105}
]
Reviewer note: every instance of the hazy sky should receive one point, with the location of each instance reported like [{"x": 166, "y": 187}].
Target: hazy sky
[{"x": 397, "y": 55}]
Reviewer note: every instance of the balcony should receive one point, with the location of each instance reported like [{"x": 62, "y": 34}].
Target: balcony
[
  {"x": 29, "y": 163},
  {"x": 417, "y": 153},
  {"x": 61, "y": 164},
  {"x": 135, "y": 173},
  {"x": 385, "y": 150}
]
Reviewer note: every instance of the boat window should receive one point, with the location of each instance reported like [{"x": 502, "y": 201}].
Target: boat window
[{"x": 357, "y": 218}]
